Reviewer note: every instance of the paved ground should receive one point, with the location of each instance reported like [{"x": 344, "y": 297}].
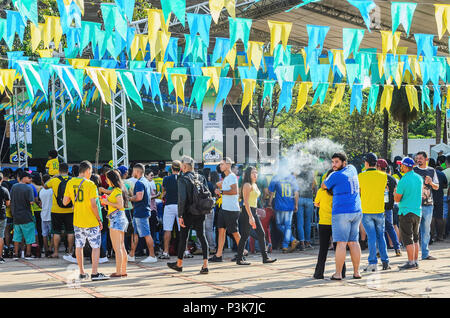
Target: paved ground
[{"x": 290, "y": 276}]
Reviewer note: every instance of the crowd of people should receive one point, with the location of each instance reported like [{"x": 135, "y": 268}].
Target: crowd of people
[{"x": 188, "y": 210}]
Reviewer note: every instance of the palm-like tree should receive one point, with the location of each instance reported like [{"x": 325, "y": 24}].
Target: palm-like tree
[{"x": 401, "y": 112}]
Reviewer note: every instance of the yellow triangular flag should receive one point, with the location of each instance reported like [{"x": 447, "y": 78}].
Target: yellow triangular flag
[
  {"x": 8, "y": 77},
  {"x": 381, "y": 62},
  {"x": 111, "y": 78},
  {"x": 399, "y": 74},
  {"x": 255, "y": 53},
  {"x": 45, "y": 53},
  {"x": 139, "y": 43},
  {"x": 442, "y": 15},
  {"x": 386, "y": 98},
  {"x": 389, "y": 41},
  {"x": 101, "y": 83},
  {"x": 448, "y": 96},
  {"x": 214, "y": 73},
  {"x": 302, "y": 96},
  {"x": 338, "y": 95},
  {"x": 231, "y": 57},
  {"x": 79, "y": 63},
  {"x": 178, "y": 81},
  {"x": 279, "y": 32},
  {"x": 36, "y": 35},
  {"x": 338, "y": 60},
  {"x": 413, "y": 100},
  {"x": 249, "y": 88}
]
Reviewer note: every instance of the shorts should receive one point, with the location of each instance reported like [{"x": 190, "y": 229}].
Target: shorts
[
  {"x": 26, "y": 231},
  {"x": 409, "y": 228},
  {"x": 2, "y": 228},
  {"x": 141, "y": 226},
  {"x": 170, "y": 216},
  {"x": 62, "y": 222},
  {"x": 228, "y": 220},
  {"x": 345, "y": 227},
  {"x": 118, "y": 221},
  {"x": 46, "y": 228},
  {"x": 92, "y": 234}
]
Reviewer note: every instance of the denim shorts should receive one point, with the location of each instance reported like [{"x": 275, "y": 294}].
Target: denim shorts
[
  {"x": 141, "y": 226},
  {"x": 2, "y": 228},
  {"x": 25, "y": 231},
  {"x": 46, "y": 228},
  {"x": 345, "y": 227},
  {"x": 92, "y": 234},
  {"x": 118, "y": 221}
]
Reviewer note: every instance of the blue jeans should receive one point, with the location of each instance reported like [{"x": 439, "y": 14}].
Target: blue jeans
[
  {"x": 425, "y": 228},
  {"x": 104, "y": 242},
  {"x": 304, "y": 215},
  {"x": 374, "y": 226},
  {"x": 284, "y": 224},
  {"x": 445, "y": 207},
  {"x": 389, "y": 220}
]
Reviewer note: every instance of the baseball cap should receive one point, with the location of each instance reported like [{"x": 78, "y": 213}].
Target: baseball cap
[
  {"x": 382, "y": 163},
  {"x": 122, "y": 170},
  {"x": 408, "y": 162},
  {"x": 24, "y": 174},
  {"x": 371, "y": 158}
]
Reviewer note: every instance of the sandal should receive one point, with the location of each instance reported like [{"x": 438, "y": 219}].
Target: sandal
[
  {"x": 356, "y": 277},
  {"x": 124, "y": 275},
  {"x": 115, "y": 275},
  {"x": 334, "y": 278}
]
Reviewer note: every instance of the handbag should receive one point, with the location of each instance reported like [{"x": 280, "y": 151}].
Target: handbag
[{"x": 261, "y": 213}]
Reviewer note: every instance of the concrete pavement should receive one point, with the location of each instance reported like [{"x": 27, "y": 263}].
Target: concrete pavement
[{"x": 290, "y": 276}]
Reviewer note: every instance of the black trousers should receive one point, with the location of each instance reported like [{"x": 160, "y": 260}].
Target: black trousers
[
  {"x": 324, "y": 241},
  {"x": 198, "y": 224},
  {"x": 245, "y": 228}
]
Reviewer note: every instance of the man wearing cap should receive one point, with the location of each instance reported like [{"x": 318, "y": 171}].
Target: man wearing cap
[
  {"x": 227, "y": 218},
  {"x": 382, "y": 165},
  {"x": 431, "y": 182},
  {"x": 22, "y": 198},
  {"x": 409, "y": 198},
  {"x": 372, "y": 183}
]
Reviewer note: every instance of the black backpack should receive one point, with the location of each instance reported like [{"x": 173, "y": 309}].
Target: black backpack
[
  {"x": 202, "y": 201},
  {"x": 60, "y": 194}
]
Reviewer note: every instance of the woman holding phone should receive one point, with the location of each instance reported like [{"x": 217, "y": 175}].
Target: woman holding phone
[
  {"x": 116, "y": 203},
  {"x": 248, "y": 218}
]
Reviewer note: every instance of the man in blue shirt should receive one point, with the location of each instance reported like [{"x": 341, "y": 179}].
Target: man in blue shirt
[
  {"x": 346, "y": 212},
  {"x": 141, "y": 199},
  {"x": 409, "y": 198},
  {"x": 286, "y": 191}
]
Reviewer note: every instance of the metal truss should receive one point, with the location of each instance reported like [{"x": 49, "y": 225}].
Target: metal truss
[
  {"x": 20, "y": 129},
  {"x": 59, "y": 121},
  {"x": 119, "y": 130}
]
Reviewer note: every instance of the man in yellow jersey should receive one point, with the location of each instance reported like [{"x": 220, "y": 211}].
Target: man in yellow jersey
[
  {"x": 158, "y": 183},
  {"x": 62, "y": 216},
  {"x": 372, "y": 183},
  {"x": 52, "y": 165},
  {"x": 82, "y": 192}
]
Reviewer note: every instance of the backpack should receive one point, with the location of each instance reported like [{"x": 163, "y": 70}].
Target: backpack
[
  {"x": 60, "y": 194},
  {"x": 202, "y": 201}
]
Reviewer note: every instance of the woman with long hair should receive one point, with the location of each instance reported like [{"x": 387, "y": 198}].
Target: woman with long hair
[
  {"x": 324, "y": 201},
  {"x": 248, "y": 218},
  {"x": 116, "y": 203}
]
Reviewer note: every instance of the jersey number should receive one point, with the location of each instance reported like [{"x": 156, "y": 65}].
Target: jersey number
[
  {"x": 286, "y": 190},
  {"x": 80, "y": 197}
]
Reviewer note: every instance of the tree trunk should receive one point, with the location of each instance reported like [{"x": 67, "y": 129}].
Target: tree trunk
[
  {"x": 438, "y": 125},
  {"x": 444, "y": 137},
  {"x": 384, "y": 152},
  {"x": 405, "y": 138}
]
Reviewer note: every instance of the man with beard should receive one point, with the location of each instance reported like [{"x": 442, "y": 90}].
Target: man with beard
[{"x": 346, "y": 212}]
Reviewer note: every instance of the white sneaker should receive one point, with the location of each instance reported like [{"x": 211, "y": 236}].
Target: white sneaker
[
  {"x": 149, "y": 260},
  {"x": 22, "y": 254},
  {"x": 371, "y": 268},
  {"x": 131, "y": 258},
  {"x": 70, "y": 258},
  {"x": 103, "y": 260}
]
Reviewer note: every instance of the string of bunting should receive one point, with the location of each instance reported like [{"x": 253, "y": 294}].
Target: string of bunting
[{"x": 124, "y": 59}]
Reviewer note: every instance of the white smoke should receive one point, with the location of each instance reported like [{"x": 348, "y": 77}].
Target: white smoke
[{"x": 307, "y": 158}]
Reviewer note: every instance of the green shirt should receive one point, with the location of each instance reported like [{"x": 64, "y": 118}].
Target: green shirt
[{"x": 410, "y": 187}]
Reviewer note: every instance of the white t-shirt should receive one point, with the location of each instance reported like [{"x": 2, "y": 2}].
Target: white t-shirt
[
  {"x": 230, "y": 202},
  {"x": 46, "y": 197}
]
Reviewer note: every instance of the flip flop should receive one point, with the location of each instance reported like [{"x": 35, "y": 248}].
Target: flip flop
[
  {"x": 357, "y": 277},
  {"x": 334, "y": 278}
]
